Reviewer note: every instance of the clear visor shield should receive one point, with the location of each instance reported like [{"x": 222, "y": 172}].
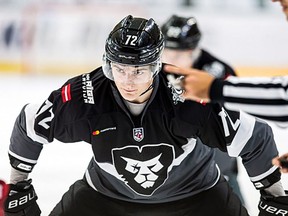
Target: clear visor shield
[{"x": 135, "y": 74}]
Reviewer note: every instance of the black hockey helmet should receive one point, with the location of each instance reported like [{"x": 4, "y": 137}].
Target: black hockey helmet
[
  {"x": 134, "y": 41},
  {"x": 181, "y": 33}
]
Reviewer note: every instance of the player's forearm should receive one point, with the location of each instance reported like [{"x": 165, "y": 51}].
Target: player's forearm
[
  {"x": 276, "y": 189},
  {"x": 17, "y": 176}
]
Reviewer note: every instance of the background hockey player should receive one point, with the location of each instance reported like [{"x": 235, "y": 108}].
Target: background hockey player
[
  {"x": 260, "y": 96},
  {"x": 182, "y": 37},
  {"x": 146, "y": 157}
]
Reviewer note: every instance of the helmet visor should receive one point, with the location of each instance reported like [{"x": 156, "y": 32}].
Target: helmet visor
[
  {"x": 136, "y": 74},
  {"x": 131, "y": 74}
]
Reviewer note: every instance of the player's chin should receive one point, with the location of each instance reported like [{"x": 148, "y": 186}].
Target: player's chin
[{"x": 129, "y": 96}]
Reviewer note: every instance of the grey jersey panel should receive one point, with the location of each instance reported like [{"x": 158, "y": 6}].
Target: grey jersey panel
[
  {"x": 259, "y": 148},
  {"x": 196, "y": 173},
  {"x": 23, "y": 147}
]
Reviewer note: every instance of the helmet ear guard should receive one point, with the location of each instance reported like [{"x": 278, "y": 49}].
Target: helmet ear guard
[
  {"x": 106, "y": 67},
  {"x": 134, "y": 41}
]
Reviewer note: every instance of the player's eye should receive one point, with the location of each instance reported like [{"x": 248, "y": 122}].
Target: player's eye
[
  {"x": 139, "y": 72},
  {"x": 119, "y": 70}
]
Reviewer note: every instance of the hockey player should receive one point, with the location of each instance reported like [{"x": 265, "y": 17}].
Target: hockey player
[
  {"x": 246, "y": 94},
  {"x": 146, "y": 158},
  {"x": 182, "y": 36},
  {"x": 263, "y": 97}
]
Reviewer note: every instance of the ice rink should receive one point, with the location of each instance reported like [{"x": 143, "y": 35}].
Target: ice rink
[
  {"x": 240, "y": 35},
  {"x": 61, "y": 164}
]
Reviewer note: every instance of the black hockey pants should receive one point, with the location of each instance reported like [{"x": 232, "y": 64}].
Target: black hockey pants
[{"x": 82, "y": 200}]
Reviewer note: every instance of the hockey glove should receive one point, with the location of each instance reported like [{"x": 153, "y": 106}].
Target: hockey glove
[
  {"x": 270, "y": 205},
  {"x": 21, "y": 200}
]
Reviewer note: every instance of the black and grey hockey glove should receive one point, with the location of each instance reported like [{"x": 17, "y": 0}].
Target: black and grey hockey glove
[
  {"x": 21, "y": 200},
  {"x": 270, "y": 205}
]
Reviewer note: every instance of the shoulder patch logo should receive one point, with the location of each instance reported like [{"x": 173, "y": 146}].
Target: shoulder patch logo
[
  {"x": 87, "y": 89},
  {"x": 66, "y": 93}
]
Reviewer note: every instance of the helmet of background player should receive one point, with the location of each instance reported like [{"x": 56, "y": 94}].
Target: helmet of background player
[
  {"x": 135, "y": 42},
  {"x": 181, "y": 33}
]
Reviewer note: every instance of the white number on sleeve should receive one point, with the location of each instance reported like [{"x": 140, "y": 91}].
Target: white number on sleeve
[{"x": 223, "y": 114}]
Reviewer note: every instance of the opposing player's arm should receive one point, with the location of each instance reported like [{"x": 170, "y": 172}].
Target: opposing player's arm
[{"x": 196, "y": 83}]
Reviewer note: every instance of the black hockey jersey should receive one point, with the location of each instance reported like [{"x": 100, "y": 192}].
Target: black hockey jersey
[
  {"x": 219, "y": 69},
  {"x": 153, "y": 157},
  {"x": 213, "y": 65}
]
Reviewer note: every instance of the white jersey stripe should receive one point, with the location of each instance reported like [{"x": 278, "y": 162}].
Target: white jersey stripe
[
  {"x": 249, "y": 92},
  {"x": 22, "y": 158},
  {"x": 283, "y": 80},
  {"x": 263, "y": 175},
  {"x": 30, "y": 113},
  {"x": 264, "y": 110},
  {"x": 89, "y": 181},
  {"x": 244, "y": 133},
  {"x": 66, "y": 92}
]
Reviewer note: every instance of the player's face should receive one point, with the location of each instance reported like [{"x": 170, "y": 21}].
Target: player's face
[
  {"x": 181, "y": 58},
  {"x": 284, "y": 4},
  {"x": 132, "y": 81}
]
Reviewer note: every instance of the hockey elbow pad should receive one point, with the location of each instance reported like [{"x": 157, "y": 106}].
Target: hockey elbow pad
[
  {"x": 21, "y": 200},
  {"x": 270, "y": 205}
]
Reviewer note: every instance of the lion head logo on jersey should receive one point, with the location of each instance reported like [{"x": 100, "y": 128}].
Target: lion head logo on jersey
[{"x": 144, "y": 169}]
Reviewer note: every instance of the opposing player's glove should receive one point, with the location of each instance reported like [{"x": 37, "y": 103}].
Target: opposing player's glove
[
  {"x": 21, "y": 200},
  {"x": 270, "y": 205}
]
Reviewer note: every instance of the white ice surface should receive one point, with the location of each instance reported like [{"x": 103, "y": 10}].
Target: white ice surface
[{"x": 61, "y": 164}]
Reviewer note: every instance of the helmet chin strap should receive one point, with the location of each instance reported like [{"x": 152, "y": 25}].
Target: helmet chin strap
[{"x": 150, "y": 87}]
